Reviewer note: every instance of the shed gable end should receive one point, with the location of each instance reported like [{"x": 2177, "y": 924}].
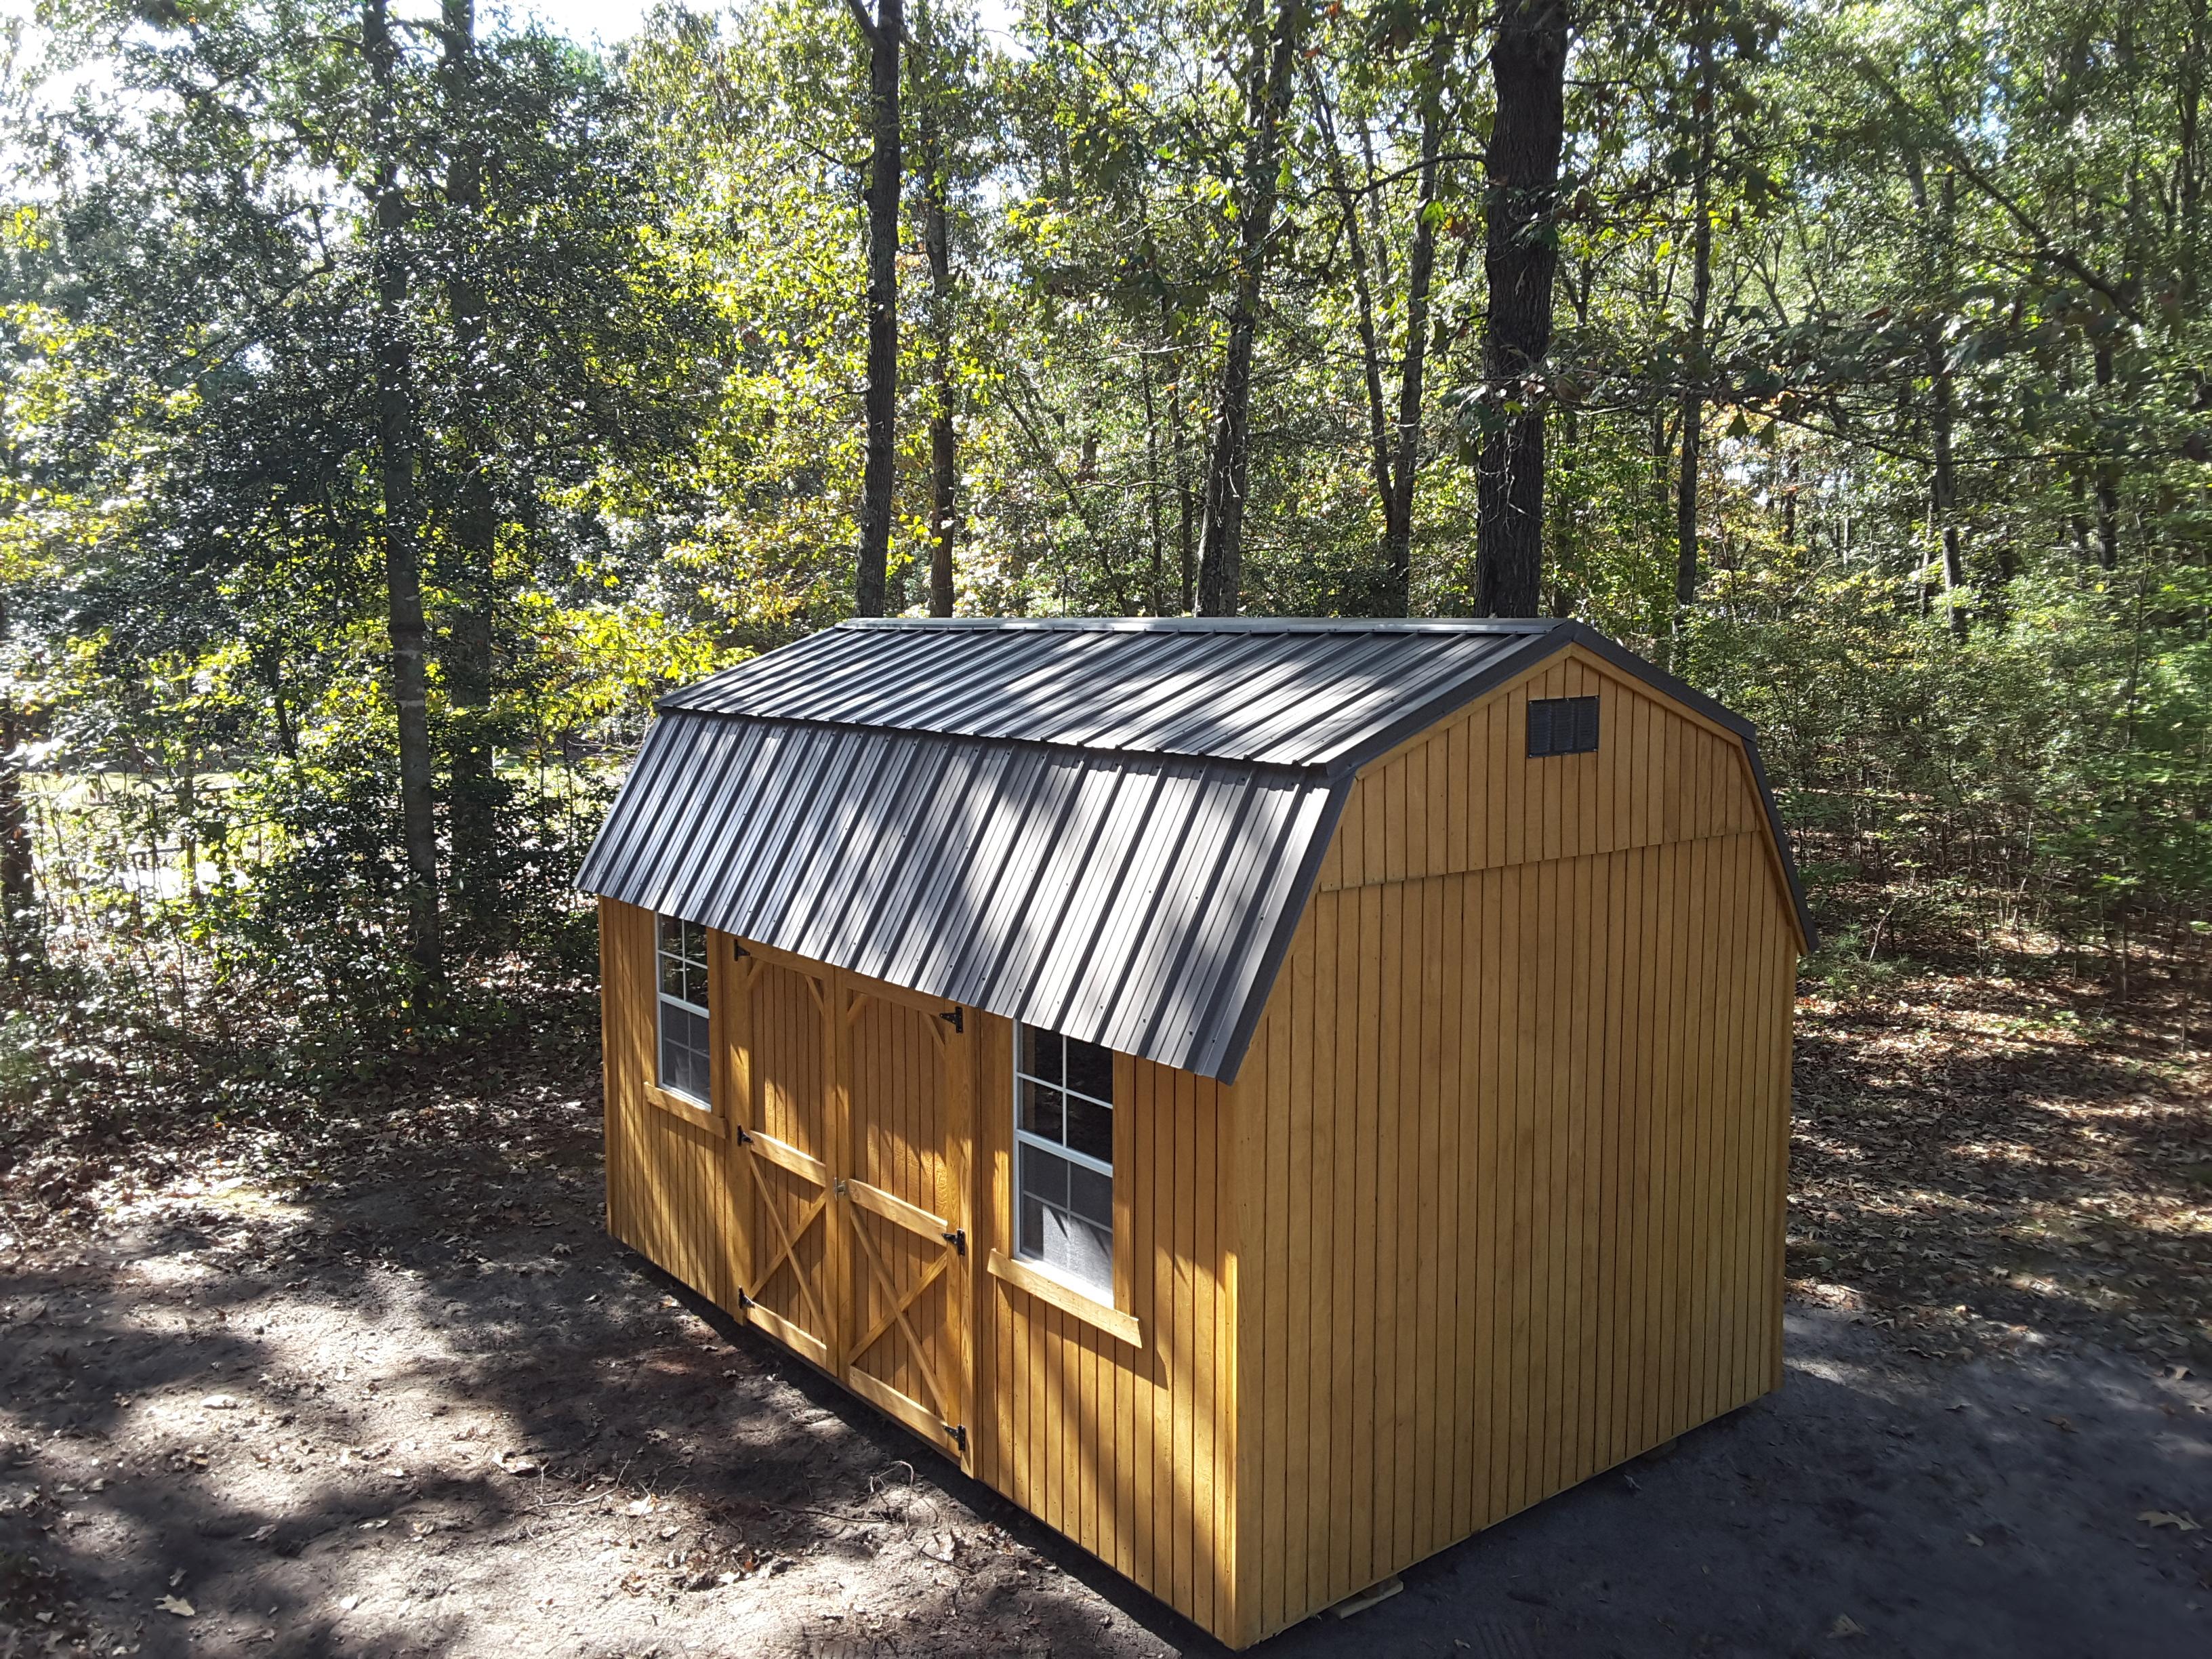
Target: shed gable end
[{"x": 1468, "y": 795}]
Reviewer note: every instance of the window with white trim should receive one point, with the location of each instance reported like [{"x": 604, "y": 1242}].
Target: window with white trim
[
  {"x": 681, "y": 949},
  {"x": 1064, "y": 1157}
]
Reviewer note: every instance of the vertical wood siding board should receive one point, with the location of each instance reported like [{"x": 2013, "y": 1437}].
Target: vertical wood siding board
[
  {"x": 1399, "y": 1302},
  {"x": 1698, "y": 1078},
  {"x": 1660, "y": 1111},
  {"x": 1651, "y": 1129},
  {"x": 1367, "y": 1155},
  {"x": 1499, "y": 1127},
  {"x": 1341, "y": 1427},
  {"x": 1375, "y": 843},
  {"x": 1585, "y": 1055},
  {"x": 1515, "y": 1217},
  {"x": 1294, "y": 1491},
  {"x": 1180, "y": 1318},
  {"x": 1392, "y": 1330},
  {"x": 1761, "y": 1122},
  {"x": 1756, "y": 1130},
  {"x": 1602, "y": 1198},
  {"x": 1643, "y": 923},
  {"x": 1783, "y": 989},
  {"x": 1665, "y": 1123},
  {"x": 1273, "y": 1274},
  {"x": 1196, "y": 1096},
  {"x": 1563, "y": 1052},
  {"x": 1719, "y": 909},
  {"x": 1686, "y": 1053},
  {"x": 1313, "y": 1428},
  {"x": 1445, "y": 825},
  {"x": 1469, "y": 1104},
  {"x": 1450, "y": 948},
  {"x": 1625, "y": 948},
  {"x": 1421, "y": 1236},
  {"x": 1135, "y": 1254},
  {"x": 1732, "y": 963}
]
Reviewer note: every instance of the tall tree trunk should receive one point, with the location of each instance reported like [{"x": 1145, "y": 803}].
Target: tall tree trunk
[
  {"x": 2108, "y": 478},
  {"x": 1178, "y": 446},
  {"x": 1527, "y": 66},
  {"x": 1420, "y": 271},
  {"x": 403, "y": 563},
  {"x": 1158, "y": 599},
  {"x": 1701, "y": 291},
  {"x": 19, "y": 898},
  {"x": 884, "y": 31},
  {"x": 1943, "y": 490},
  {"x": 473, "y": 811},
  {"x": 1221, "y": 537},
  {"x": 943, "y": 438}
]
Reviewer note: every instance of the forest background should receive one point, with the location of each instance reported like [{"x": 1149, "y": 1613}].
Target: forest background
[{"x": 398, "y": 398}]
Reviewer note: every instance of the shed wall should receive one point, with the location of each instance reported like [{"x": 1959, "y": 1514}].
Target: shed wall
[
  {"x": 1516, "y": 1143},
  {"x": 1126, "y": 1450}
]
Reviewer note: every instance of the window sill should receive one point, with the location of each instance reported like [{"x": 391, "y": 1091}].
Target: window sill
[
  {"x": 681, "y": 1106},
  {"x": 1081, "y": 1304}
]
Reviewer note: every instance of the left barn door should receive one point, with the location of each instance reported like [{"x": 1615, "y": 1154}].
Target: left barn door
[{"x": 790, "y": 1136}]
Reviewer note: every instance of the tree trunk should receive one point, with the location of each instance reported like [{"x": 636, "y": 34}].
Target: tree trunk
[
  {"x": 943, "y": 445},
  {"x": 2108, "y": 479},
  {"x": 1420, "y": 269},
  {"x": 1221, "y": 536},
  {"x": 403, "y": 567},
  {"x": 1527, "y": 66},
  {"x": 1701, "y": 290},
  {"x": 1943, "y": 491},
  {"x": 884, "y": 33},
  {"x": 473, "y": 809},
  {"x": 19, "y": 897}
]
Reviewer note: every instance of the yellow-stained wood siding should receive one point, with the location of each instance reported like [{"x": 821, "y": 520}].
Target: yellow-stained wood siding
[
  {"x": 1128, "y": 1450},
  {"x": 669, "y": 1192},
  {"x": 1464, "y": 796},
  {"x": 1495, "y": 1203},
  {"x": 1515, "y": 1210}
]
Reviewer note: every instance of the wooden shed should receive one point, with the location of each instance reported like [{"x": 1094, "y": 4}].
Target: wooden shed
[{"x": 1271, "y": 1097}]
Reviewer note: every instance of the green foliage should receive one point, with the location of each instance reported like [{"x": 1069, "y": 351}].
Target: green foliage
[{"x": 1954, "y": 535}]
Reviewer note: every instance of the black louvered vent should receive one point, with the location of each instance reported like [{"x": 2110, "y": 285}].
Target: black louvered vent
[{"x": 1562, "y": 726}]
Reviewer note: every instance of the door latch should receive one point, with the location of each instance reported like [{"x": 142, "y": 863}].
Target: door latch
[{"x": 840, "y": 1188}]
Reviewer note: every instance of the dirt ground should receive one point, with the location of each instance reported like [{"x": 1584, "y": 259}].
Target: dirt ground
[{"x": 379, "y": 1385}]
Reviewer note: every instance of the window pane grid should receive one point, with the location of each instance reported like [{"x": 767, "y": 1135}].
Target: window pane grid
[
  {"x": 1064, "y": 1155},
  {"x": 680, "y": 952}
]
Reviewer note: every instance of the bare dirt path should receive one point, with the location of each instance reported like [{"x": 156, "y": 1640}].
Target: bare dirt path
[{"x": 383, "y": 1387}]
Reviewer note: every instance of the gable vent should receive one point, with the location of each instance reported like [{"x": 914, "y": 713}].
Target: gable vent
[{"x": 1562, "y": 726}]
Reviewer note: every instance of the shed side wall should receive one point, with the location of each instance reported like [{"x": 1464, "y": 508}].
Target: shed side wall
[
  {"x": 669, "y": 1192},
  {"x": 1519, "y": 1153},
  {"x": 1127, "y": 1450}
]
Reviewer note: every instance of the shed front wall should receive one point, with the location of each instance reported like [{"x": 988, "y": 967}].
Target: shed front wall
[
  {"x": 1516, "y": 1149},
  {"x": 1124, "y": 1447}
]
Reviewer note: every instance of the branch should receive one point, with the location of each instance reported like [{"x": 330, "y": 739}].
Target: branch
[{"x": 861, "y": 16}]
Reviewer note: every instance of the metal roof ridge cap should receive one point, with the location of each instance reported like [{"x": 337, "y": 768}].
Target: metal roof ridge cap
[{"x": 1206, "y": 624}]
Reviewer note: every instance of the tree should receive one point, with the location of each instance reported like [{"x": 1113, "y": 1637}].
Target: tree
[
  {"x": 1221, "y": 535},
  {"x": 1528, "y": 61},
  {"x": 885, "y": 32}
]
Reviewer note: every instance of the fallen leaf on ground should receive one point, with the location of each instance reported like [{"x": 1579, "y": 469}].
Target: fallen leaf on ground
[
  {"x": 2061, "y": 1424},
  {"x": 176, "y": 1604},
  {"x": 220, "y": 1402},
  {"x": 346, "y": 1604},
  {"x": 2168, "y": 1518},
  {"x": 1846, "y": 1626},
  {"x": 262, "y": 1534}
]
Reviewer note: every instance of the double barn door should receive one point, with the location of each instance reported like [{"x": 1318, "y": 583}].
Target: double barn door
[{"x": 852, "y": 1113}]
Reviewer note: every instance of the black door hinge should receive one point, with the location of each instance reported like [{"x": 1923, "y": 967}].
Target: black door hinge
[
  {"x": 744, "y": 1301},
  {"x": 738, "y": 950},
  {"x": 743, "y": 1140},
  {"x": 953, "y": 1017},
  {"x": 957, "y": 1432},
  {"x": 957, "y": 1239}
]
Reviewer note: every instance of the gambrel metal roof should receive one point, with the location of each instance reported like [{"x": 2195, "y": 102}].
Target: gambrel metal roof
[{"x": 1108, "y": 828}]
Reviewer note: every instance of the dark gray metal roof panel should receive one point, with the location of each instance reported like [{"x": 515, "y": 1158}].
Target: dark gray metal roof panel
[
  {"x": 1289, "y": 693},
  {"x": 1109, "y": 897},
  {"x": 1110, "y": 827}
]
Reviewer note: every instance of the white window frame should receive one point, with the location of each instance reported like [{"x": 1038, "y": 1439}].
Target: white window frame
[
  {"x": 663, "y": 1001},
  {"x": 1104, "y": 1293}
]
